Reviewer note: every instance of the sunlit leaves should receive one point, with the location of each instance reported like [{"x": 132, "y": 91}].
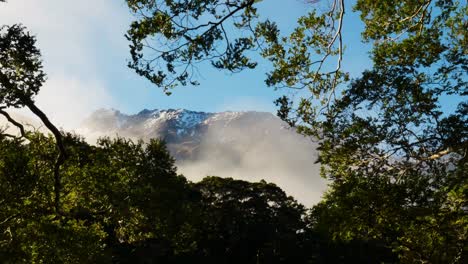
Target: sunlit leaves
[{"x": 21, "y": 74}]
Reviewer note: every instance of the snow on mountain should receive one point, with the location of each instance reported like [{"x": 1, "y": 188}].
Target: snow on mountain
[
  {"x": 245, "y": 145},
  {"x": 173, "y": 125}
]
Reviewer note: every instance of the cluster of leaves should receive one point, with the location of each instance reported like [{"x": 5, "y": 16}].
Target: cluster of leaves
[
  {"x": 186, "y": 33},
  {"x": 169, "y": 38},
  {"x": 21, "y": 74}
]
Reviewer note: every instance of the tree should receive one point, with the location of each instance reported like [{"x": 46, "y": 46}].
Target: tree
[
  {"x": 387, "y": 131},
  {"x": 245, "y": 222},
  {"x": 116, "y": 196},
  {"x": 32, "y": 231},
  {"x": 21, "y": 77}
]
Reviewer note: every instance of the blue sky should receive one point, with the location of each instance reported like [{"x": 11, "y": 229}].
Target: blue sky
[{"x": 85, "y": 56}]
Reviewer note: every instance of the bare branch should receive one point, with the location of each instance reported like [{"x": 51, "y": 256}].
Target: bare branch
[{"x": 14, "y": 122}]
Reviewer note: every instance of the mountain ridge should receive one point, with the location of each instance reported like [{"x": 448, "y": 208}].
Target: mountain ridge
[
  {"x": 247, "y": 145},
  {"x": 172, "y": 125}
]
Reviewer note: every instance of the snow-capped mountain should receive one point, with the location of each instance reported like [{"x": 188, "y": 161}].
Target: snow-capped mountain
[
  {"x": 246, "y": 145},
  {"x": 183, "y": 130}
]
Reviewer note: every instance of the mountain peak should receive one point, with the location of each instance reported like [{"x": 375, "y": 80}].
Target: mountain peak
[
  {"x": 246, "y": 145},
  {"x": 146, "y": 112},
  {"x": 155, "y": 120}
]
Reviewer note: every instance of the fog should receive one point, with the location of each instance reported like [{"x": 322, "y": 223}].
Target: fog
[
  {"x": 253, "y": 147},
  {"x": 253, "y": 150}
]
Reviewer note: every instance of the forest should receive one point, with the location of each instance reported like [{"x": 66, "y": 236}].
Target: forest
[{"x": 392, "y": 142}]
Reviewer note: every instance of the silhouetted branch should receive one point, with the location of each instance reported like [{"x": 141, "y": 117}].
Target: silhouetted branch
[{"x": 14, "y": 122}]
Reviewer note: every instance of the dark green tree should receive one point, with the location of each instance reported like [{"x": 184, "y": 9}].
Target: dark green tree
[{"x": 245, "y": 222}]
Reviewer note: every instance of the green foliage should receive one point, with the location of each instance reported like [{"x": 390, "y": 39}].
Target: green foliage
[
  {"x": 21, "y": 77},
  {"x": 116, "y": 192},
  {"x": 31, "y": 232},
  {"x": 21, "y": 74},
  {"x": 192, "y": 32},
  {"x": 395, "y": 153},
  {"x": 123, "y": 202},
  {"x": 416, "y": 217},
  {"x": 250, "y": 223},
  {"x": 390, "y": 128}
]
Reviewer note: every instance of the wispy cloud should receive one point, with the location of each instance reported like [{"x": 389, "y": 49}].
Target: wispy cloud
[
  {"x": 257, "y": 149},
  {"x": 67, "y": 33}
]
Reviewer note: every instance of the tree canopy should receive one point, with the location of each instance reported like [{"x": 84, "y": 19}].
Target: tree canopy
[{"x": 123, "y": 202}]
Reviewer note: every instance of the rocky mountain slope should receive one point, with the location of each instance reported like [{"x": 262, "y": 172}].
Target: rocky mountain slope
[{"x": 244, "y": 145}]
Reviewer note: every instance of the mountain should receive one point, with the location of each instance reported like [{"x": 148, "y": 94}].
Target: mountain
[{"x": 244, "y": 145}]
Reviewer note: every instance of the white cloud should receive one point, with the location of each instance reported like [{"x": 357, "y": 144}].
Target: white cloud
[
  {"x": 277, "y": 154},
  {"x": 68, "y": 33},
  {"x": 67, "y": 99}
]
